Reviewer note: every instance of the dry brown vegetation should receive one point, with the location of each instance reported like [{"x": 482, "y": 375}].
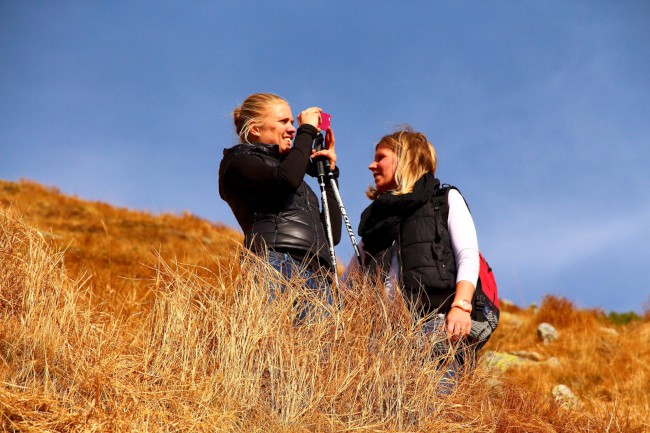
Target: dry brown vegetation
[
  {"x": 118, "y": 249},
  {"x": 116, "y": 320}
]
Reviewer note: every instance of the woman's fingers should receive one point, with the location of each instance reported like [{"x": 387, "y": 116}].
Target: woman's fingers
[
  {"x": 325, "y": 153},
  {"x": 459, "y": 323},
  {"x": 310, "y": 116},
  {"x": 329, "y": 139}
]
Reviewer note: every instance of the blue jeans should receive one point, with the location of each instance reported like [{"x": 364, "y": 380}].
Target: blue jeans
[
  {"x": 315, "y": 282},
  {"x": 453, "y": 367}
]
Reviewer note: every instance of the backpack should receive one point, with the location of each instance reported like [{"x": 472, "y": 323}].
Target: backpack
[
  {"x": 485, "y": 302},
  {"x": 486, "y": 293}
]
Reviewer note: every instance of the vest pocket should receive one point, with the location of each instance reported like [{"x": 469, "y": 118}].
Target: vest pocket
[{"x": 445, "y": 272}]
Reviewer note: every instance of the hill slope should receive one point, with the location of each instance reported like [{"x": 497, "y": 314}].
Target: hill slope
[
  {"x": 206, "y": 352},
  {"x": 116, "y": 248}
]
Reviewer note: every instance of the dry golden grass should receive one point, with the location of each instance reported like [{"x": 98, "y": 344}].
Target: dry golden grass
[
  {"x": 607, "y": 366},
  {"x": 202, "y": 349},
  {"x": 117, "y": 248}
]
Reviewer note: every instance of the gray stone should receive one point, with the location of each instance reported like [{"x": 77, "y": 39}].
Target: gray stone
[
  {"x": 501, "y": 361},
  {"x": 533, "y": 356},
  {"x": 547, "y": 333},
  {"x": 565, "y": 398},
  {"x": 553, "y": 362}
]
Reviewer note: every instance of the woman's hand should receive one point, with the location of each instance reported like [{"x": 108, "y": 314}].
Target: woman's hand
[
  {"x": 310, "y": 116},
  {"x": 459, "y": 323},
  {"x": 328, "y": 152}
]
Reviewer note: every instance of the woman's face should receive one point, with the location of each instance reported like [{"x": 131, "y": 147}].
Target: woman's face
[
  {"x": 383, "y": 169},
  {"x": 276, "y": 126}
]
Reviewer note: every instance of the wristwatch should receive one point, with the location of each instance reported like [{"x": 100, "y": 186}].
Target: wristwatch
[{"x": 463, "y": 304}]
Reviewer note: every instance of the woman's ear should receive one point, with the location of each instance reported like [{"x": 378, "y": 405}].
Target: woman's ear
[{"x": 254, "y": 130}]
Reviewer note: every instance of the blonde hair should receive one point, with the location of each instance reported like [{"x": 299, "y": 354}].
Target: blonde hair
[
  {"x": 415, "y": 158},
  {"x": 250, "y": 112}
]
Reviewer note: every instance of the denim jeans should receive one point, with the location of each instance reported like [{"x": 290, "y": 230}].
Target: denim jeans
[
  {"x": 453, "y": 367},
  {"x": 315, "y": 282}
]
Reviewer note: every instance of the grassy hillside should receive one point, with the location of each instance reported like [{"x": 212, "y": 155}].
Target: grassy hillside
[
  {"x": 117, "y": 320},
  {"x": 115, "y": 250}
]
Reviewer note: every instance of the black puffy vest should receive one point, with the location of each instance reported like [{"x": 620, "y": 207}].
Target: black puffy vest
[
  {"x": 290, "y": 223},
  {"x": 426, "y": 260}
]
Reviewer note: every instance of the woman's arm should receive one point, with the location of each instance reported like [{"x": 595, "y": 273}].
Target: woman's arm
[
  {"x": 464, "y": 245},
  {"x": 251, "y": 172}
]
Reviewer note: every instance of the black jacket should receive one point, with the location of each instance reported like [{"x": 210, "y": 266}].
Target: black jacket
[
  {"x": 274, "y": 206},
  {"x": 417, "y": 224}
]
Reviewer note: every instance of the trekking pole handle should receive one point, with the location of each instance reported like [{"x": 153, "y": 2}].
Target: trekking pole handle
[{"x": 322, "y": 163}]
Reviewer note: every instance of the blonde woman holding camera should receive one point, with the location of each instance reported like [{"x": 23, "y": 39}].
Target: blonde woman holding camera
[{"x": 262, "y": 180}]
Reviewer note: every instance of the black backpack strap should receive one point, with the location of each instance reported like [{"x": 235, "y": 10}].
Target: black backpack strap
[
  {"x": 441, "y": 214},
  {"x": 448, "y": 187},
  {"x": 441, "y": 203}
]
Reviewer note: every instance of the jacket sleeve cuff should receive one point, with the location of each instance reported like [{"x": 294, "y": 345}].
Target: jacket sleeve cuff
[{"x": 310, "y": 129}]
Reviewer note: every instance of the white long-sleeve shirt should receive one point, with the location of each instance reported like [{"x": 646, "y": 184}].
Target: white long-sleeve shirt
[{"x": 464, "y": 244}]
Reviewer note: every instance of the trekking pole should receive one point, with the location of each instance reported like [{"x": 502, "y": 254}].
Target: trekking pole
[
  {"x": 344, "y": 214},
  {"x": 339, "y": 200},
  {"x": 322, "y": 170}
]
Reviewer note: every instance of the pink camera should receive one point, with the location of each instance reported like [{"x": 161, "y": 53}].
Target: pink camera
[{"x": 325, "y": 121}]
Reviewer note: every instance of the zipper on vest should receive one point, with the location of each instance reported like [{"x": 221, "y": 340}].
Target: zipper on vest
[{"x": 398, "y": 245}]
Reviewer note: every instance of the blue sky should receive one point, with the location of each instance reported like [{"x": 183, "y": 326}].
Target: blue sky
[{"x": 539, "y": 112}]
